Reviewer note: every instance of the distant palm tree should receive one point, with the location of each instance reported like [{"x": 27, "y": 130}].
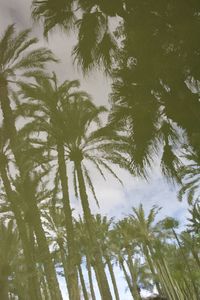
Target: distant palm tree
[
  {"x": 17, "y": 61},
  {"x": 46, "y": 105},
  {"x": 102, "y": 228},
  {"x": 146, "y": 232},
  {"x": 194, "y": 220},
  {"x": 190, "y": 177}
]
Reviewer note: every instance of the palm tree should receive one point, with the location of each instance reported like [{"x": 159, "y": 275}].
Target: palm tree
[
  {"x": 54, "y": 224},
  {"x": 128, "y": 248},
  {"x": 102, "y": 228},
  {"x": 16, "y": 59},
  {"x": 83, "y": 244},
  {"x": 194, "y": 220},
  {"x": 51, "y": 100},
  {"x": 144, "y": 92},
  {"x": 96, "y": 44},
  {"x": 12, "y": 199},
  {"x": 73, "y": 120},
  {"x": 190, "y": 177},
  {"x": 170, "y": 223},
  {"x": 97, "y": 148},
  {"x": 146, "y": 233}
]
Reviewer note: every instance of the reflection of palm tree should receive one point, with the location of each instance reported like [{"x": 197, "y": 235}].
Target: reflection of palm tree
[
  {"x": 127, "y": 245},
  {"x": 48, "y": 98},
  {"x": 82, "y": 144},
  {"x": 146, "y": 231},
  {"x": 190, "y": 175},
  {"x": 16, "y": 59},
  {"x": 96, "y": 43},
  {"x": 85, "y": 250},
  {"x": 11, "y": 197},
  {"x": 102, "y": 229}
]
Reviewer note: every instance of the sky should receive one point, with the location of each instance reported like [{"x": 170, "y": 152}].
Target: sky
[{"x": 115, "y": 200}]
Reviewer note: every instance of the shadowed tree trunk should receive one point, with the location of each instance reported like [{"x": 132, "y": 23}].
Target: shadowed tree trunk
[
  {"x": 89, "y": 268},
  {"x": 99, "y": 267},
  {"x": 151, "y": 266},
  {"x": 85, "y": 294},
  {"x": 30, "y": 263},
  {"x": 64, "y": 262},
  {"x": 112, "y": 275},
  {"x": 127, "y": 277},
  {"x": 72, "y": 256},
  {"x": 133, "y": 276}
]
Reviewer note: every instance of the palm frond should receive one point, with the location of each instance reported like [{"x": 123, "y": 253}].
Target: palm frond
[{"x": 90, "y": 184}]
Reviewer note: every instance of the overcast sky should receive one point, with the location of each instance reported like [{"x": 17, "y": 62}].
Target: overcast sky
[{"x": 114, "y": 199}]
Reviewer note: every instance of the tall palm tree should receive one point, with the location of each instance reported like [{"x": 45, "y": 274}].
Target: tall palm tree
[
  {"x": 16, "y": 59},
  {"x": 83, "y": 244},
  {"x": 12, "y": 198},
  {"x": 74, "y": 142},
  {"x": 146, "y": 232},
  {"x": 143, "y": 91},
  {"x": 82, "y": 144},
  {"x": 50, "y": 99},
  {"x": 102, "y": 228}
]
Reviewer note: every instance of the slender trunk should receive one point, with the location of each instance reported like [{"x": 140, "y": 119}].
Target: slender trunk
[
  {"x": 85, "y": 294},
  {"x": 64, "y": 263},
  {"x": 89, "y": 268},
  {"x": 127, "y": 278},
  {"x": 99, "y": 267},
  {"x": 33, "y": 252},
  {"x": 45, "y": 255},
  {"x": 112, "y": 275},
  {"x": 72, "y": 255},
  {"x": 30, "y": 205},
  {"x": 30, "y": 263},
  {"x": 133, "y": 276},
  {"x": 152, "y": 254},
  {"x": 152, "y": 269},
  {"x": 187, "y": 264}
]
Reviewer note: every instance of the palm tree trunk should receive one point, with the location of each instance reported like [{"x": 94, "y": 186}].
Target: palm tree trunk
[
  {"x": 153, "y": 271},
  {"x": 64, "y": 263},
  {"x": 89, "y": 269},
  {"x": 133, "y": 276},
  {"x": 72, "y": 255},
  {"x": 85, "y": 294},
  {"x": 187, "y": 264},
  {"x": 45, "y": 255},
  {"x": 33, "y": 252},
  {"x": 112, "y": 275},
  {"x": 127, "y": 277},
  {"x": 30, "y": 263},
  {"x": 99, "y": 267},
  {"x": 11, "y": 132}
]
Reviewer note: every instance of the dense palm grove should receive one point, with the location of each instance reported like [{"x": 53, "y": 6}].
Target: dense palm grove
[{"x": 53, "y": 136}]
